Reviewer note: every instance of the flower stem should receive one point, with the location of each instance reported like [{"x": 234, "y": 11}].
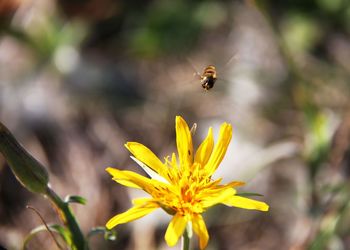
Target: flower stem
[
  {"x": 69, "y": 220},
  {"x": 185, "y": 241}
]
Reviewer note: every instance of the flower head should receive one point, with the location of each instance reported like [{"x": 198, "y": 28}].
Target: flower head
[{"x": 182, "y": 185}]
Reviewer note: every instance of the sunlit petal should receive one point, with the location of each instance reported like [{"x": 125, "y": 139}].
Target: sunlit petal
[
  {"x": 173, "y": 160},
  {"x": 184, "y": 142},
  {"x": 200, "y": 229},
  {"x": 129, "y": 178},
  {"x": 220, "y": 148},
  {"x": 235, "y": 184},
  {"x": 246, "y": 203},
  {"x": 146, "y": 156},
  {"x": 115, "y": 173},
  {"x": 175, "y": 229},
  {"x": 131, "y": 214},
  {"x": 154, "y": 175},
  {"x": 141, "y": 201},
  {"x": 204, "y": 151},
  {"x": 213, "y": 197}
]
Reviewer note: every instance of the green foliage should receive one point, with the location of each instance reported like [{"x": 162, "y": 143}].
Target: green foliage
[
  {"x": 168, "y": 26},
  {"x": 317, "y": 141},
  {"x": 330, "y": 5},
  {"x": 75, "y": 199},
  {"x": 300, "y": 32},
  {"x": 60, "y": 230},
  {"x": 78, "y": 240}
]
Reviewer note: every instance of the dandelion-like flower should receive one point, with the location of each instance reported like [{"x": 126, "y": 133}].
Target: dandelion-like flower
[{"x": 183, "y": 185}]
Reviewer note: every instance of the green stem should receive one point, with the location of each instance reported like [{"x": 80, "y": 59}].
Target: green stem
[
  {"x": 68, "y": 218},
  {"x": 185, "y": 241}
]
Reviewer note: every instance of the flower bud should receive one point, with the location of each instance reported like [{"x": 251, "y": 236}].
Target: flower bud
[{"x": 28, "y": 171}]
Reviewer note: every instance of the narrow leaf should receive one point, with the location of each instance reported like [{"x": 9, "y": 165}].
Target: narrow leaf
[
  {"x": 63, "y": 232},
  {"x": 75, "y": 199}
]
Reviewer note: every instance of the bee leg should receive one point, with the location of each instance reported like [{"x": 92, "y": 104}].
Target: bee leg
[{"x": 205, "y": 85}]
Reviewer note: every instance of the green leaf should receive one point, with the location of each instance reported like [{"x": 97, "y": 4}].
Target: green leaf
[
  {"x": 63, "y": 232},
  {"x": 246, "y": 194},
  {"x": 108, "y": 234},
  {"x": 75, "y": 199}
]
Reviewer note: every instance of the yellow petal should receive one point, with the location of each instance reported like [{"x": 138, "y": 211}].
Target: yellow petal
[
  {"x": 175, "y": 229},
  {"x": 205, "y": 149},
  {"x": 173, "y": 160},
  {"x": 151, "y": 173},
  {"x": 246, "y": 203},
  {"x": 127, "y": 183},
  {"x": 140, "y": 201},
  {"x": 114, "y": 172},
  {"x": 220, "y": 148},
  {"x": 200, "y": 229},
  {"x": 215, "y": 196},
  {"x": 146, "y": 156},
  {"x": 131, "y": 214},
  {"x": 132, "y": 179},
  {"x": 184, "y": 142},
  {"x": 235, "y": 184}
]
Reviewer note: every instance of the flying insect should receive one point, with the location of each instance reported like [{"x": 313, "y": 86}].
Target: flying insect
[
  {"x": 210, "y": 75},
  {"x": 208, "y": 78}
]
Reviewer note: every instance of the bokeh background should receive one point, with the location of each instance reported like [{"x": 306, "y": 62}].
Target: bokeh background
[{"x": 80, "y": 78}]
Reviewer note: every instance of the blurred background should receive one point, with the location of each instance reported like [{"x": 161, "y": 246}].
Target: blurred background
[{"x": 80, "y": 78}]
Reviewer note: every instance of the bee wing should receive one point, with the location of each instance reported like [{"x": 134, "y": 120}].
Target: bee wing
[
  {"x": 196, "y": 73},
  {"x": 233, "y": 58},
  {"x": 223, "y": 80},
  {"x": 223, "y": 70}
]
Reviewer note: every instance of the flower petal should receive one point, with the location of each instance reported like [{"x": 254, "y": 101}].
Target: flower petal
[
  {"x": 132, "y": 179},
  {"x": 153, "y": 174},
  {"x": 234, "y": 184},
  {"x": 115, "y": 173},
  {"x": 246, "y": 203},
  {"x": 220, "y": 148},
  {"x": 173, "y": 160},
  {"x": 184, "y": 142},
  {"x": 215, "y": 196},
  {"x": 205, "y": 149},
  {"x": 200, "y": 229},
  {"x": 146, "y": 156},
  {"x": 141, "y": 201},
  {"x": 133, "y": 213},
  {"x": 175, "y": 229}
]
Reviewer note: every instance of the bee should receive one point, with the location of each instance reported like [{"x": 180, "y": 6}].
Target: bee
[{"x": 208, "y": 78}]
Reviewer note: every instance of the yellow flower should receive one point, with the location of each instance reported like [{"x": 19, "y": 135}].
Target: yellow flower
[{"x": 183, "y": 185}]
